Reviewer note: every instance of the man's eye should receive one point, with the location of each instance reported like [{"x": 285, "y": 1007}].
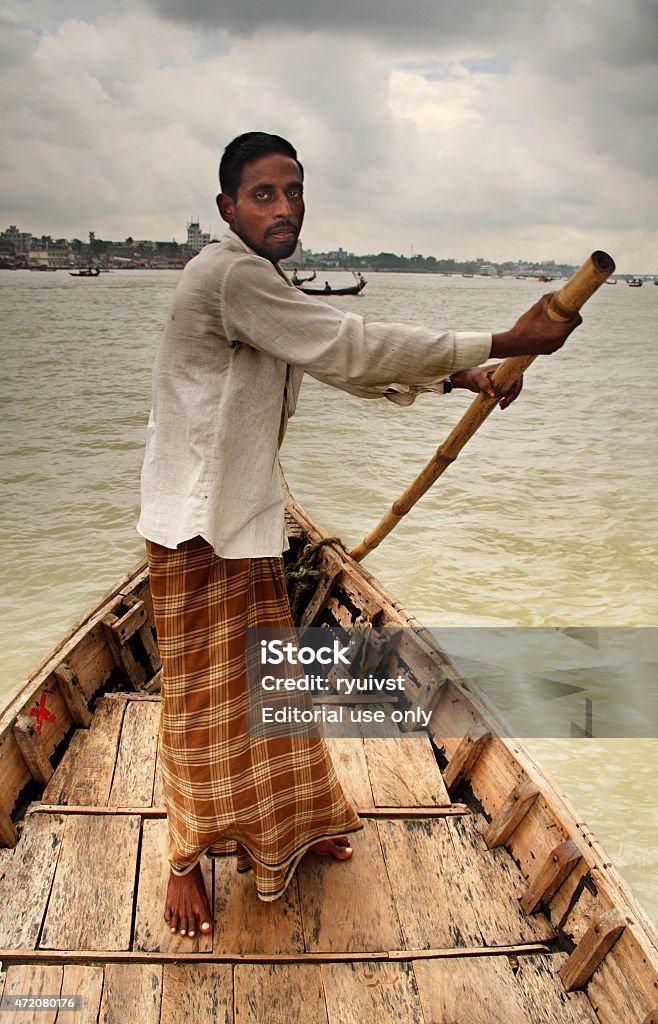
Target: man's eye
[
  {"x": 295, "y": 193},
  {"x": 261, "y": 196}
]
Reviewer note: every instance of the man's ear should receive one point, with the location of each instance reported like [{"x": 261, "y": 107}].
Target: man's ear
[{"x": 225, "y": 207}]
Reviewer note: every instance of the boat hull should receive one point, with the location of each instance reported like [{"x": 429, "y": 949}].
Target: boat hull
[{"x": 474, "y": 878}]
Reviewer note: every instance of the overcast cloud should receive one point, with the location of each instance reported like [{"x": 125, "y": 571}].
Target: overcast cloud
[{"x": 494, "y": 128}]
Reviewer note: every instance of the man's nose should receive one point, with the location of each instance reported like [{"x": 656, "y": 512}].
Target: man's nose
[{"x": 282, "y": 207}]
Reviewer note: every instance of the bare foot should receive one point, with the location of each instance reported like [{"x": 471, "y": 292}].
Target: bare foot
[
  {"x": 338, "y": 848},
  {"x": 186, "y": 906}
]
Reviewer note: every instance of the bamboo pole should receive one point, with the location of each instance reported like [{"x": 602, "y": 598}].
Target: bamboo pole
[{"x": 562, "y": 306}]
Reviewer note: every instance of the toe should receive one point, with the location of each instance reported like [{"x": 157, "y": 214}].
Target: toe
[{"x": 341, "y": 849}]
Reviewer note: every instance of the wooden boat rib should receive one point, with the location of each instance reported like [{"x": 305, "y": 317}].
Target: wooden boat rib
[{"x": 476, "y": 892}]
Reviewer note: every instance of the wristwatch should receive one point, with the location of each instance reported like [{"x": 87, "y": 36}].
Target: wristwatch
[{"x": 447, "y": 386}]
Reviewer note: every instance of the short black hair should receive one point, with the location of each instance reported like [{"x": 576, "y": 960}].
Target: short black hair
[{"x": 248, "y": 147}]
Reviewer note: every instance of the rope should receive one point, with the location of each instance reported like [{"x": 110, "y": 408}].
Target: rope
[{"x": 303, "y": 576}]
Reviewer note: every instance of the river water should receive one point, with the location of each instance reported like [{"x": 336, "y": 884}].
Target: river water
[{"x": 548, "y": 518}]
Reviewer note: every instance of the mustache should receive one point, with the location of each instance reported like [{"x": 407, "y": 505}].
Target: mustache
[{"x": 288, "y": 224}]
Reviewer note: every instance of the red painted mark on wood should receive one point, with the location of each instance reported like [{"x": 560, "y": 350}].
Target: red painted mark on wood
[{"x": 42, "y": 713}]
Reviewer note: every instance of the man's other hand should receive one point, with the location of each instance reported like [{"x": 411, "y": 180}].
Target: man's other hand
[{"x": 478, "y": 379}]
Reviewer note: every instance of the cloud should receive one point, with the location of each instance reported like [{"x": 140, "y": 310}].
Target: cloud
[
  {"x": 423, "y": 22},
  {"x": 491, "y": 129}
]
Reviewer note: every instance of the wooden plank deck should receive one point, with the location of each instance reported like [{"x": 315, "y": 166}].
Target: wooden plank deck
[{"x": 421, "y": 922}]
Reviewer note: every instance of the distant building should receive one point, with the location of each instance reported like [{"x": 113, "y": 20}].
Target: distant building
[
  {"x": 20, "y": 241},
  {"x": 51, "y": 255},
  {"x": 297, "y": 258},
  {"x": 196, "y": 238}
]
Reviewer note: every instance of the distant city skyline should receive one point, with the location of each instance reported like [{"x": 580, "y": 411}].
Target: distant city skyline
[{"x": 197, "y": 238}]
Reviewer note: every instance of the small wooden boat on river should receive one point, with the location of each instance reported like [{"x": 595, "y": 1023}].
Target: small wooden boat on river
[
  {"x": 476, "y": 893},
  {"x": 352, "y": 289}
]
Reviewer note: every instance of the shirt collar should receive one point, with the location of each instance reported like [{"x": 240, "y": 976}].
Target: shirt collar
[{"x": 234, "y": 243}]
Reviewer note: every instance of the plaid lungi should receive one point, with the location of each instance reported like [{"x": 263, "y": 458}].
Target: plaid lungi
[{"x": 273, "y": 797}]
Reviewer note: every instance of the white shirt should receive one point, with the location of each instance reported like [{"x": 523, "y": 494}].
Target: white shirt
[{"x": 237, "y": 342}]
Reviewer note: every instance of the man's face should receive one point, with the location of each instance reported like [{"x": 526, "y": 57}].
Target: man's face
[{"x": 268, "y": 210}]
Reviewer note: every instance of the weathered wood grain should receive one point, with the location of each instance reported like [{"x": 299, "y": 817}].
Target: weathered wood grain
[
  {"x": 496, "y": 885},
  {"x": 74, "y": 696},
  {"x": 123, "y": 656},
  {"x": 550, "y": 875},
  {"x": 349, "y": 760},
  {"x": 486, "y": 990},
  {"x": 373, "y": 993},
  {"x": 132, "y": 784},
  {"x": 404, "y": 771},
  {"x": 8, "y": 833},
  {"x": 35, "y": 980},
  {"x": 245, "y": 924},
  {"x": 544, "y": 994},
  {"x": 86, "y": 982},
  {"x": 480, "y": 990},
  {"x": 29, "y": 741},
  {"x": 131, "y": 992},
  {"x": 592, "y": 949},
  {"x": 348, "y": 905},
  {"x": 450, "y": 890},
  {"x": 465, "y": 758},
  {"x": 434, "y": 908},
  {"x": 511, "y": 814},
  {"x": 84, "y": 775},
  {"x": 197, "y": 994},
  {"x": 92, "y": 895},
  {"x": 26, "y": 876},
  {"x": 152, "y": 933},
  {"x": 279, "y": 994}
]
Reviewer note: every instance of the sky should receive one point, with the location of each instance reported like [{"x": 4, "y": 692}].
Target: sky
[{"x": 500, "y": 129}]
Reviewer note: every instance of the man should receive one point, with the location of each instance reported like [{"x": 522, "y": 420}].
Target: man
[{"x": 237, "y": 343}]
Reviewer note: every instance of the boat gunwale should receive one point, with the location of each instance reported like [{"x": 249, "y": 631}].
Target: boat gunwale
[{"x": 17, "y": 699}]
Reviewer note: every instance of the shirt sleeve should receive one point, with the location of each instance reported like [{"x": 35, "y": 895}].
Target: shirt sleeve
[{"x": 261, "y": 309}]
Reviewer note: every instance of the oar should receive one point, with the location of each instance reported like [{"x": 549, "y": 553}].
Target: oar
[{"x": 563, "y": 305}]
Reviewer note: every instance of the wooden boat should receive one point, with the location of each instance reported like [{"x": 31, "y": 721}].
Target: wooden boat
[
  {"x": 352, "y": 289},
  {"x": 91, "y": 272},
  {"x": 635, "y": 282},
  {"x": 476, "y": 893}
]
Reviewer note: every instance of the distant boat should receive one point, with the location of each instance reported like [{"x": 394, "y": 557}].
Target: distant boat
[
  {"x": 635, "y": 282},
  {"x": 611, "y": 282},
  {"x": 353, "y": 289},
  {"x": 301, "y": 280},
  {"x": 91, "y": 272}
]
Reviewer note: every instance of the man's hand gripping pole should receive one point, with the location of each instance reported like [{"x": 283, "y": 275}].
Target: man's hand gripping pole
[{"x": 562, "y": 307}]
